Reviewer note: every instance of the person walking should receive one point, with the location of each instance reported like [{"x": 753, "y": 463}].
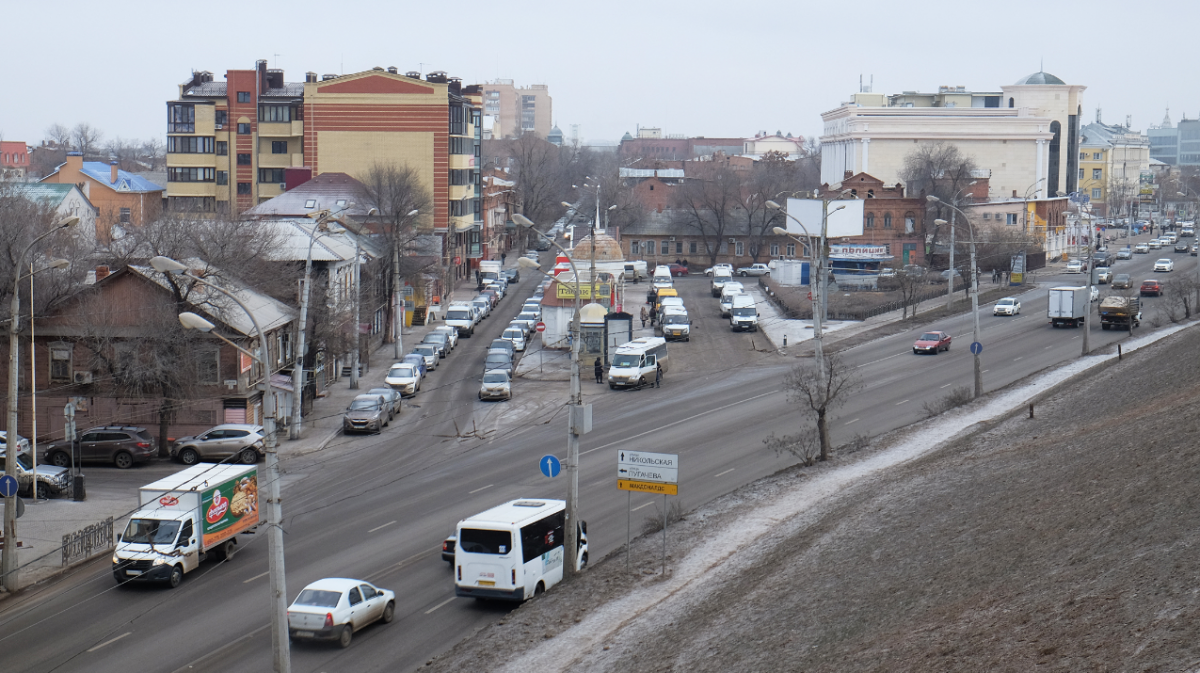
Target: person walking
[
  {"x": 599, "y": 371},
  {"x": 503, "y": 256},
  {"x": 643, "y": 317},
  {"x": 658, "y": 376}
]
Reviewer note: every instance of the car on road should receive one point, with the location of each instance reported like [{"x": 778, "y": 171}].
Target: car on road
[
  {"x": 513, "y": 275},
  {"x": 430, "y": 353},
  {"x": 439, "y": 341},
  {"x": 1195, "y": 248},
  {"x": 366, "y": 413},
  {"x": 404, "y": 378},
  {"x": 496, "y": 385},
  {"x": 932, "y": 342},
  {"x": 754, "y": 270},
  {"x": 1122, "y": 281},
  {"x": 1169, "y": 238},
  {"x": 504, "y": 344},
  {"x": 450, "y": 332},
  {"x": 1093, "y": 293},
  {"x": 516, "y": 336},
  {"x": 709, "y": 270},
  {"x": 1155, "y": 244},
  {"x": 335, "y": 607},
  {"x": 1076, "y": 266},
  {"x": 483, "y": 305},
  {"x": 1007, "y": 306},
  {"x": 463, "y": 317},
  {"x": 528, "y": 317},
  {"x": 498, "y": 359},
  {"x": 1142, "y": 248},
  {"x": 224, "y": 441},
  {"x": 1103, "y": 275},
  {"x": 1151, "y": 287},
  {"x": 22, "y": 443},
  {"x": 52, "y": 480},
  {"x": 1125, "y": 253},
  {"x": 1182, "y": 246},
  {"x": 391, "y": 396},
  {"x": 1164, "y": 264},
  {"x": 448, "y": 549},
  {"x": 493, "y": 294},
  {"x": 417, "y": 361},
  {"x": 121, "y": 445}
]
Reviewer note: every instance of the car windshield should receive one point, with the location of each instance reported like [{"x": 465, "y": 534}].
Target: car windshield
[
  {"x": 497, "y": 358},
  {"x": 744, "y": 311},
  {"x": 364, "y": 405},
  {"x": 150, "y": 531},
  {"x": 434, "y": 338},
  {"x": 1006, "y": 302},
  {"x": 478, "y": 541},
  {"x": 930, "y": 336},
  {"x": 495, "y": 377},
  {"x": 528, "y": 315},
  {"x": 402, "y": 372},
  {"x": 626, "y": 360},
  {"x": 24, "y": 460},
  {"x": 424, "y": 350},
  {"x": 461, "y": 314},
  {"x": 513, "y": 334},
  {"x": 385, "y": 392},
  {"x": 319, "y": 598},
  {"x": 675, "y": 319}
]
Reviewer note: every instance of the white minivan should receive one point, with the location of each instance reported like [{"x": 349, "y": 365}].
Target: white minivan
[
  {"x": 462, "y": 317},
  {"x": 742, "y": 313},
  {"x": 635, "y": 362},
  {"x": 727, "y": 293}
]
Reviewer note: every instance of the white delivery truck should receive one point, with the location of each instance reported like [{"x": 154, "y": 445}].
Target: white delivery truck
[
  {"x": 184, "y": 517},
  {"x": 742, "y": 313},
  {"x": 489, "y": 270},
  {"x": 1068, "y": 306},
  {"x": 635, "y": 362},
  {"x": 721, "y": 275}
]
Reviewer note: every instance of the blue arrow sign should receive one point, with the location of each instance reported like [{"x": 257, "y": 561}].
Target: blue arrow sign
[
  {"x": 550, "y": 466},
  {"x": 8, "y": 486},
  {"x": 976, "y": 348}
]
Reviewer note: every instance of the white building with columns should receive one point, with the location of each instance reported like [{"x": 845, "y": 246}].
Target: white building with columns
[{"x": 1026, "y": 134}]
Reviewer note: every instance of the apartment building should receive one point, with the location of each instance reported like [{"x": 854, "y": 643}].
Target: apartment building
[
  {"x": 1113, "y": 162},
  {"x": 517, "y": 110}
]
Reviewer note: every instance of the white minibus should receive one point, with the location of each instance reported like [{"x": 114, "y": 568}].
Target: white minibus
[{"x": 635, "y": 361}]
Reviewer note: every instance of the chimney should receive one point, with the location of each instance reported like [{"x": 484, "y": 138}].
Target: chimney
[
  {"x": 310, "y": 76},
  {"x": 75, "y": 161},
  {"x": 328, "y": 76},
  {"x": 112, "y": 166},
  {"x": 102, "y": 272},
  {"x": 394, "y": 70}
]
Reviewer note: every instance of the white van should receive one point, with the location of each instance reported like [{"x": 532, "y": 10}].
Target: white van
[
  {"x": 731, "y": 288},
  {"x": 514, "y": 551},
  {"x": 662, "y": 277},
  {"x": 721, "y": 275},
  {"x": 635, "y": 362},
  {"x": 462, "y": 317},
  {"x": 742, "y": 313},
  {"x": 675, "y": 324}
]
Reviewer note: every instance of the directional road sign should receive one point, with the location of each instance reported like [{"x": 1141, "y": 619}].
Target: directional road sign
[
  {"x": 648, "y": 472},
  {"x": 8, "y": 486},
  {"x": 976, "y": 348},
  {"x": 550, "y": 466}
]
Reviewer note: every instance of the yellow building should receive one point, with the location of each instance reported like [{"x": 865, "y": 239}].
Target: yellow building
[{"x": 1112, "y": 159}]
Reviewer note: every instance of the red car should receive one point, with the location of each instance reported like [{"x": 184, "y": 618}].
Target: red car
[
  {"x": 1152, "y": 287},
  {"x": 678, "y": 269},
  {"x": 932, "y": 342}
]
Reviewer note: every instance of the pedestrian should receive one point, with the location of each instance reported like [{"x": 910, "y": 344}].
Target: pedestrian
[
  {"x": 599, "y": 371},
  {"x": 503, "y": 256},
  {"x": 643, "y": 317},
  {"x": 995, "y": 276},
  {"x": 657, "y": 376}
]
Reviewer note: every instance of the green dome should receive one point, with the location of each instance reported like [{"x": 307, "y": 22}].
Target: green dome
[{"x": 1040, "y": 78}]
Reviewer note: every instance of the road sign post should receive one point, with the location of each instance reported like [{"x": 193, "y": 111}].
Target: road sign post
[
  {"x": 550, "y": 466},
  {"x": 646, "y": 472},
  {"x": 976, "y": 348}
]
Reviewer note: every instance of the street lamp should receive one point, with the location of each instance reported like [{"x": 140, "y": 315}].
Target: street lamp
[
  {"x": 8, "y": 558},
  {"x": 974, "y": 291},
  {"x": 575, "y": 418},
  {"x": 279, "y": 627},
  {"x": 950, "y": 280},
  {"x": 398, "y": 351}
]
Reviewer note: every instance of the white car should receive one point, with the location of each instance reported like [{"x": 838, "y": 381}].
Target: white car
[
  {"x": 1164, "y": 265},
  {"x": 1142, "y": 248},
  {"x": 709, "y": 271},
  {"x": 430, "y": 354},
  {"x": 496, "y": 385},
  {"x": 404, "y": 378},
  {"x": 1007, "y": 306},
  {"x": 1155, "y": 244},
  {"x": 1075, "y": 266},
  {"x": 450, "y": 332},
  {"x": 516, "y": 335},
  {"x": 336, "y": 607},
  {"x": 754, "y": 270}
]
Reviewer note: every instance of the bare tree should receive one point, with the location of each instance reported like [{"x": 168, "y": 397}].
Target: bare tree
[
  {"x": 709, "y": 206},
  {"x": 804, "y": 446},
  {"x": 909, "y": 283},
  {"x": 820, "y": 390},
  {"x": 773, "y": 176},
  {"x": 59, "y": 135},
  {"x": 939, "y": 169},
  {"x": 1182, "y": 297},
  {"x": 541, "y": 184},
  {"x": 86, "y": 139},
  {"x": 154, "y": 153}
]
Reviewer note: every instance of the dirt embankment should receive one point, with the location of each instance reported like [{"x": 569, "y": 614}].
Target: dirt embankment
[{"x": 1068, "y": 542}]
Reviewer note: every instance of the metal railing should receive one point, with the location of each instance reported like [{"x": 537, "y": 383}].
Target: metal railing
[{"x": 87, "y": 542}]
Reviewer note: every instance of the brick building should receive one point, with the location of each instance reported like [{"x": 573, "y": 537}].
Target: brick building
[
  {"x": 14, "y": 160},
  {"x": 890, "y": 217},
  {"x": 120, "y": 197}
]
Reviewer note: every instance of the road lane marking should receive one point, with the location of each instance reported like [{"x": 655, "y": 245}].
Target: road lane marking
[
  {"x": 401, "y": 564},
  {"x": 1020, "y": 358},
  {"x": 682, "y": 420},
  {"x": 1048, "y": 348},
  {"x": 484, "y": 488},
  {"x": 853, "y": 421},
  {"x": 641, "y": 506},
  {"x": 110, "y": 642},
  {"x": 381, "y": 527},
  {"x": 719, "y": 474},
  {"x": 985, "y": 371},
  {"x": 947, "y": 385},
  {"x": 448, "y": 600},
  {"x": 228, "y": 646},
  {"x": 901, "y": 402},
  {"x": 256, "y": 577}
]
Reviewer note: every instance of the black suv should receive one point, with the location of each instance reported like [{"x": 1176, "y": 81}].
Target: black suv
[{"x": 121, "y": 445}]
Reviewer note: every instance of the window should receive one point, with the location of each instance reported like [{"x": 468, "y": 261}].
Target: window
[
  {"x": 461, "y": 145},
  {"x": 243, "y": 129},
  {"x": 457, "y": 121},
  {"x": 986, "y": 216},
  {"x": 1097, "y": 156},
  {"x": 1082, "y": 157},
  {"x": 243, "y": 159},
  {"x": 791, "y": 251},
  {"x": 774, "y": 252},
  {"x": 691, "y": 247},
  {"x": 312, "y": 203},
  {"x": 461, "y": 176},
  {"x": 221, "y": 118},
  {"x": 355, "y": 595},
  {"x": 181, "y": 118},
  {"x": 1095, "y": 195},
  {"x": 274, "y": 113},
  {"x": 185, "y": 533},
  {"x": 868, "y": 223},
  {"x": 739, "y": 248},
  {"x": 181, "y": 174},
  {"x": 634, "y": 248},
  {"x": 1080, "y": 177},
  {"x": 222, "y": 148},
  {"x": 243, "y": 97},
  {"x": 910, "y": 223},
  {"x": 208, "y": 366},
  {"x": 270, "y": 175},
  {"x": 887, "y": 220},
  {"x": 60, "y": 361},
  {"x": 1010, "y": 218},
  {"x": 222, "y": 177},
  {"x": 1097, "y": 173},
  {"x": 126, "y": 214},
  {"x": 192, "y": 204},
  {"x": 278, "y": 147},
  {"x": 190, "y": 144},
  {"x": 243, "y": 188},
  {"x": 678, "y": 247},
  {"x": 540, "y": 537}
]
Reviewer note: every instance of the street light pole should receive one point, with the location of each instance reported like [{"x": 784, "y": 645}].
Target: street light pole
[
  {"x": 398, "y": 350},
  {"x": 357, "y": 304},
  {"x": 575, "y": 405},
  {"x": 975, "y": 332},
  {"x": 8, "y": 558}
]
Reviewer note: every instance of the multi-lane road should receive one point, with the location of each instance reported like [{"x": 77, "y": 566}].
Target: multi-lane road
[{"x": 377, "y": 507}]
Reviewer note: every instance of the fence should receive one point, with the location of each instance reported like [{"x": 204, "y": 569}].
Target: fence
[
  {"x": 89, "y": 541},
  {"x": 804, "y": 312}
]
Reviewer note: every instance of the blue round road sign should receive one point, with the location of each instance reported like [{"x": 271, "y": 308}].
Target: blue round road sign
[
  {"x": 976, "y": 348},
  {"x": 550, "y": 466},
  {"x": 8, "y": 486}
]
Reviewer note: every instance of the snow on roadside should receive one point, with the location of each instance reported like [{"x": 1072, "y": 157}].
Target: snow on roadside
[
  {"x": 778, "y": 329},
  {"x": 702, "y": 570}
]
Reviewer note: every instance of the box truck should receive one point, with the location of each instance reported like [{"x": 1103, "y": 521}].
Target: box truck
[
  {"x": 183, "y": 518},
  {"x": 1068, "y": 306}
]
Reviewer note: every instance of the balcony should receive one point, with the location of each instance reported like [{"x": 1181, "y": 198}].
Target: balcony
[{"x": 473, "y": 250}]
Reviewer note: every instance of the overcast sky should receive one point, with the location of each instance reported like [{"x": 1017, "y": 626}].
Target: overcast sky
[{"x": 718, "y": 69}]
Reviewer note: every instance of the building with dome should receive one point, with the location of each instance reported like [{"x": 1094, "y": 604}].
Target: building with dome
[{"x": 1024, "y": 138}]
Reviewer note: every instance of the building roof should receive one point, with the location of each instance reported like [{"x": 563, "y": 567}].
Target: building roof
[
  {"x": 607, "y": 249},
  {"x": 50, "y": 193},
  {"x": 293, "y": 235},
  {"x": 336, "y": 191},
  {"x": 1040, "y": 78},
  {"x": 665, "y": 173},
  {"x": 102, "y": 173},
  {"x": 271, "y": 313}
]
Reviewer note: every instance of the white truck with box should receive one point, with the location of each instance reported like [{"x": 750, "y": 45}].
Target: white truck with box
[
  {"x": 489, "y": 270},
  {"x": 183, "y": 518},
  {"x": 1068, "y": 306}
]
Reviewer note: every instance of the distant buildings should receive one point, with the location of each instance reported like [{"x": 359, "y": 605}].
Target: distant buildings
[
  {"x": 120, "y": 197},
  {"x": 518, "y": 110},
  {"x": 1176, "y": 145},
  {"x": 1113, "y": 162},
  {"x": 14, "y": 160}
]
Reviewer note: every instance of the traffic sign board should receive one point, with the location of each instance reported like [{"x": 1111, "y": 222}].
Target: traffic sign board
[
  {"x": 550, "y": 466},
  {"x": 976, "y": 348},
  {"x": 541, "y": 327},
  {"x": 662, "y": 468},
  {"x": 647, "y": 487},
  {"x": 8, "y": 486}
]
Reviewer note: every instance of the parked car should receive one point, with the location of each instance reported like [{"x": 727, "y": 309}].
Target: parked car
[
  {"x": 483, "y": 305},
  {"x": 430, "y": 353},
  {"x": 1164, "y": 264},
  {"x": 528, "y": 317},
  {"x": 22, "y": 443},
  {"x": 678, "y": 269},
  {"x": 439, "y": 341},
  {"x": 932, "y": 342},
  {"x": 1142, "y": 248},
  {"x": 1103, "y": 275},
  {"x": 334, "y": 608},
  {"x": 534, "y": 307},
  {"x": 404, "y": 378},
  {"x": 504, "y": 344},
  {"x": 121, "y": 445},
  {"x": 754, "y": 270},
  {"x": 1151, "y": 287},
  {"x": 390, "y": 396},
  {"x": 513, "y": 275},
  {"x": 496, "y": 385},
  {"x": 1007, "y": 306},
  {"x": 450, "y": 332},
  {"x": 498, "y": 359},
  {"x": 224, "y": 441},
  {"x": 417, "y": 361},
  {"x": 366, "y": 413},
  {"x": 493, "y": 294},
  {"x": 463, "y": 317},
  {"x": 1122, "y": 281},
  {"x": 709, "y": 270},
  {"x": 516, "y": 336},
  {"x": 52, "y": 481}
]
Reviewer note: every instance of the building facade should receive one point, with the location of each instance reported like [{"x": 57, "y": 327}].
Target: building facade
[
  {"x": 14, "y": 160},
  {"x": 121, "y": 198},
  {"x": 1113, "y": 161},
  {"x": 1176, "y": 145},
  {"x": 517, "y": 110}
]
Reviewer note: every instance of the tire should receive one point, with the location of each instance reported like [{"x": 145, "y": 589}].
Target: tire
[
  {"x": 345, "y": 636},
  {"x": 612, "y": 386},
  {"x": 60, "y": 459},
  {"x": 539, "y": 590},
  {"x": 123, "y": 460},
  {"x": 248, "y": 456},
  {"x": 583, "y": 561},
  {"x": 641, "y": 381},
  {"x": 389, "y": 613},
  {"x": 226, "y": 551},
  {"x": 188, "y": 457},
  {"x": 743, "y": 274},
  {"x": 176, "y": 577}
]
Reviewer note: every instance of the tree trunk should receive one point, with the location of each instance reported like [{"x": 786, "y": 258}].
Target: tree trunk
[
  {"x": 164, "y": 426},
  {"x": 823, "y": 432}
]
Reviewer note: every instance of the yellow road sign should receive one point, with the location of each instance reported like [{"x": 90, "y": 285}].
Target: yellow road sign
[
  {"x": 567, "y": 291},
  {"x": 647, "y": 487}
]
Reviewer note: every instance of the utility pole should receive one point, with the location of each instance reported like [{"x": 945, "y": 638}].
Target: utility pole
[
  {"x": 1092, "y": 282},
  {"x": 950, "y": 281},
  {"x": 357, "y": 302},
  {"x": 398, "y": 351}
]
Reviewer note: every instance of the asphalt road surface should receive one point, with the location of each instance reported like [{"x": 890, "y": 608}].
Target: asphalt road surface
[{"x": 377, "y": 507}]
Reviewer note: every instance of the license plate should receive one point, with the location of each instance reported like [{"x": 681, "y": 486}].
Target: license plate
[
  {"x": 486, "y": 583},
  {"x": 304, "y": 634},
  {"x": 133, "y": 572}
]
